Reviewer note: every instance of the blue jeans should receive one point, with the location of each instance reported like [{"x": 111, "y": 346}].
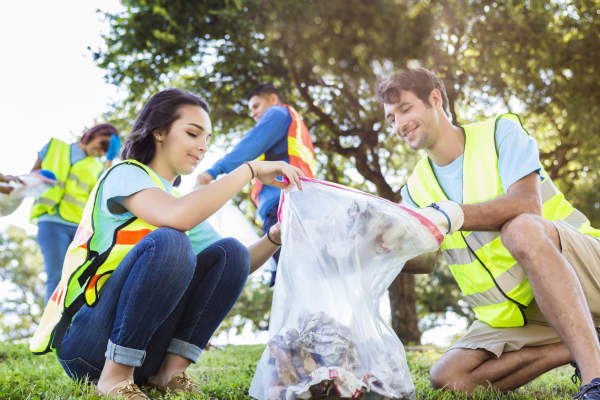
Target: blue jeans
[
  {"x": 54, "y": 238},
  {"x": 270, "y": 220},
  {"x": 161, "y": 298}
]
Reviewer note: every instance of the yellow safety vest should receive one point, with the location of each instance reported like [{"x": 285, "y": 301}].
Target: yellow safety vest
[
  {"x": 489, "y": 277},
  {"x": 87, "y": 266},
  {"x": 75, "y": 182}
]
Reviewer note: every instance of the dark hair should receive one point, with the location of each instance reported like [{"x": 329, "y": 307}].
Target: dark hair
[
  {"x": 98, "y": 130},
  {"x": 420, "y": 81},
  {"x": 264, "y": 89},
  {"x": 158, "y": 113}
]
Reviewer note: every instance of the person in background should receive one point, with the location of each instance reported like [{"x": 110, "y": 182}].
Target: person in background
[
  {"x": 57, "y": 211},
  {"x": 279, "y": 134}
]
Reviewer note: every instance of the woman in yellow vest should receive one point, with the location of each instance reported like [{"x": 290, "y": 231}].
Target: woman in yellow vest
[
  {"x": 57, "y": 212},
  {"x": 174, "y": 279}
]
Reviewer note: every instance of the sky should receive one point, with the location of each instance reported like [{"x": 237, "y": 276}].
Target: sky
[{"x": 51, "y": 87}]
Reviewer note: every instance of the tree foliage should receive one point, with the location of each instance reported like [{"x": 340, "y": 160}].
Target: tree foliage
[
  {"x": 21, "y": 267},
  {"x": 537, "y": 58}
]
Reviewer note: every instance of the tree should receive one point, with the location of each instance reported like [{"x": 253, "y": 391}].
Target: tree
[
  {"x": 21, "y": 268},
  {"x": 222, "y": 50},
  {"x": 326, "y": 57}
]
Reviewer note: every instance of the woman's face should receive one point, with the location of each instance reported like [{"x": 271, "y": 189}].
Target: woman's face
[
  {"x": 187, "y": 141},
  {"x": 98, "y": 146}
]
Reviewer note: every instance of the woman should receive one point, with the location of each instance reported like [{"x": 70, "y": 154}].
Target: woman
[
  {"x": 58, "y": 211},
  {"x": 170, "y": 290}
]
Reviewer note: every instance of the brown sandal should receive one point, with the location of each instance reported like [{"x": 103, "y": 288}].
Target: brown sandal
[
  {"x": 125, "y": 390},
  {"x": 179, "y": 383}
]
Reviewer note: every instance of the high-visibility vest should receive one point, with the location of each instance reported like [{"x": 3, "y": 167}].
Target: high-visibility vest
[
  {"x": 75, "y": 182},
  {"x": 87, "y": 266},
  {"x": 300, "y": 151},
  {"x": 490, "y": 279}
]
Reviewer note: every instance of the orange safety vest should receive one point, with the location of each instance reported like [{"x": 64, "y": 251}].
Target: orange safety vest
[
  {"x": 300, "y": 151},
  {"x": 87, "y": 266}
]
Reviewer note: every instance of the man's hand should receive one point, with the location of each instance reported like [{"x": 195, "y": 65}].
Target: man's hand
[
  {"x": 203, "y": 179},
  {"x": 275, "y": 232}
]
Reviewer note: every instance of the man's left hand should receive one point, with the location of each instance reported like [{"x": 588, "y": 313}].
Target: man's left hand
[
  {"x": 203, "y": 179},
  {"x": 275, "y": 232}
]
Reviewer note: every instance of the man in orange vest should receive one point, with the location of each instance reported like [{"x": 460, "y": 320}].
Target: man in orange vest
[{"x": 279, "y": 134}]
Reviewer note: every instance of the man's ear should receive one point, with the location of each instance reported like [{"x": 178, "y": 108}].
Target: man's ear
[
  {"x": 435, "y": 98},
  {"x": 273, "y": 99}
]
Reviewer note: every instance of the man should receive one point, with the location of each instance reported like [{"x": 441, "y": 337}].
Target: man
[
  {"x": 279, "y": 134},
  {"x": 525, "y": 259}
]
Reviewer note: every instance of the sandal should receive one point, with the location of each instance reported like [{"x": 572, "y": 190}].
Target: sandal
[
  {"x": 179, "y": 383},
  {"x": 125, "y": 390}
]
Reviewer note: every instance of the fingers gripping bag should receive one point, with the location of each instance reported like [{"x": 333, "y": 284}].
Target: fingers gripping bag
[{"x": 342, "y": 249}]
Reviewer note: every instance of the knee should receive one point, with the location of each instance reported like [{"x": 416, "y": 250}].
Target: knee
[
  {"x": 237, "y": 259},
  {"x": 174, "y": 248},
  {"x": 524, "y": 235},
  {"x": 441, "y": 378}
]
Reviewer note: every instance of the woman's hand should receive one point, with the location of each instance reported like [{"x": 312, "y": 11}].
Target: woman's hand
[{"x": 268, "y": 171}]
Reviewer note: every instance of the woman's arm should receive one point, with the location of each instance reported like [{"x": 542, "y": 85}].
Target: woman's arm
[
  {"x": 37, "y": 165},
  {"x": 159, "y": 208}
]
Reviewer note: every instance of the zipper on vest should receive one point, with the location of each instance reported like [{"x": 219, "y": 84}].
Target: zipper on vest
[{"x": 519, "y": 305}]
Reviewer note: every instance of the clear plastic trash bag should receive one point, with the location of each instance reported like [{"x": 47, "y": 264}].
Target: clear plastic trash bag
[
  {"x": 342, "y": 249},
  {"x": 34, "y": 184}
]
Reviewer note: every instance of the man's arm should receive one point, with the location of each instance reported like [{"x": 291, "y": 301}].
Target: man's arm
[
  {"x": 423, "y": 264},
  {"x": 270, "y": 129},
  {"x": 523, "y": 197}
]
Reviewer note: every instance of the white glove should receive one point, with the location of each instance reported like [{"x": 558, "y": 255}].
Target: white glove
[{"x": 442, "y": 213}]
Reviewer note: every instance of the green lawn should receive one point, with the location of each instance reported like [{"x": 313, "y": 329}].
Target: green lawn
[{"x": 227, "y": 373}]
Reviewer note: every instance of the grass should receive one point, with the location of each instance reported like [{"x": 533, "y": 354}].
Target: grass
[{"x": 226, "y": 374}]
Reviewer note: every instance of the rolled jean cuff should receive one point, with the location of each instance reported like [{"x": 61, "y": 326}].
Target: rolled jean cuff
[
  {"x": 184, "y": 349},
  {"x": 125, "y": 355}
]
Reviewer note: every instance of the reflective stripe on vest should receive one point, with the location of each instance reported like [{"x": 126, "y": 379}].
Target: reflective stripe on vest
[
  {"x": 75, "y": 183},
  {"x": 300, "y": 151},
  {"x": 87, "y": 266},
  {"x": 488, "y": 276}
]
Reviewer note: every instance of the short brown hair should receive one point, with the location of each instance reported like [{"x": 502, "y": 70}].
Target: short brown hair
[{"x": 419, "y": 81}]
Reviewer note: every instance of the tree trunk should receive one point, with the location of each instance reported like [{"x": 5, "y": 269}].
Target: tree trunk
[{"x": 404, "y": 309}]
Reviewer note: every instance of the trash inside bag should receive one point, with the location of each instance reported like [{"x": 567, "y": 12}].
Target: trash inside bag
[
  {"x": 342, "y": 249},
  {"x": 34, "y": 184}
]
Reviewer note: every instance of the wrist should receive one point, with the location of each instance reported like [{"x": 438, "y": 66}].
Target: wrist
[
  {"x": 448, "y": 216},
  {"x": 252, "y": 169}
]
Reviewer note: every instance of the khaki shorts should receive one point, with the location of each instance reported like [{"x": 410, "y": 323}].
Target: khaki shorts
[{"x": 583, "y": 253}]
